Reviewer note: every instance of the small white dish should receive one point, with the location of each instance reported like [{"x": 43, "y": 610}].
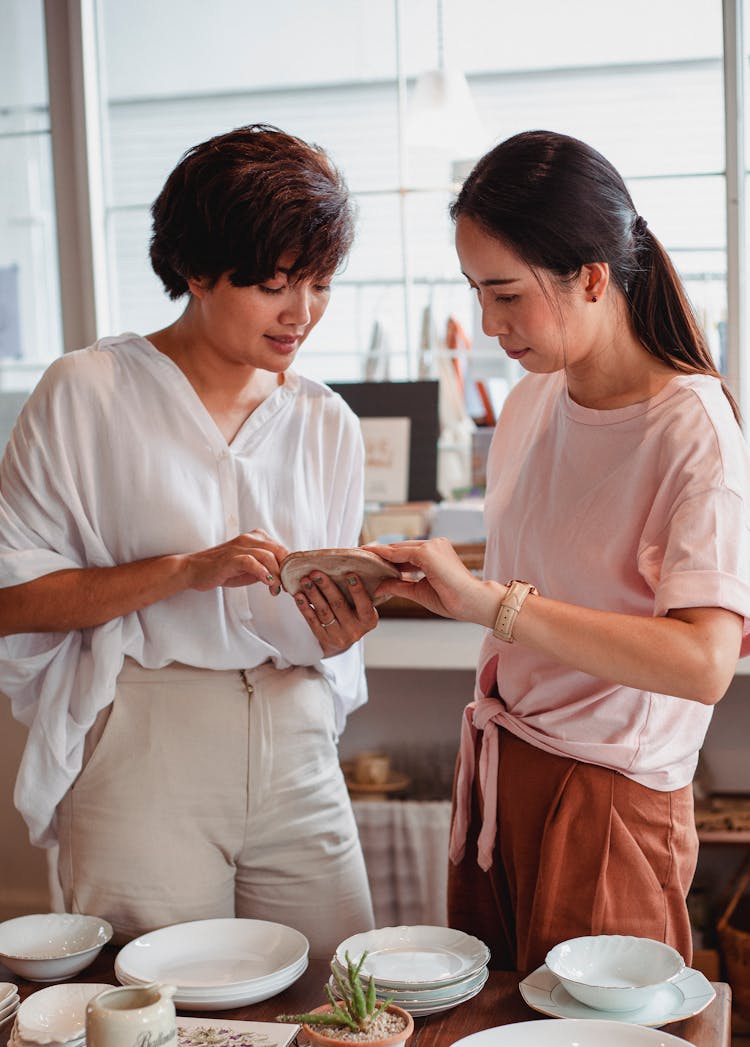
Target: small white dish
[
  {"x": 687, "y": 995},
  {"x": 7, "y": 989},
  {"x": 57, "y": 1014},
  {"x": 8, "y": 1018},
  {"x": 49, "y": 947},
  {"x": 9, "y": 1005},
  {"x": 570, "y": 1032},
  {"x": 614, "y": 972},
  {"x": 407, "y": 957}
]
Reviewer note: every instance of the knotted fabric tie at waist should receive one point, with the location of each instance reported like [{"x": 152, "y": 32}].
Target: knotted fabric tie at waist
[{"x": 478, "y": 716}]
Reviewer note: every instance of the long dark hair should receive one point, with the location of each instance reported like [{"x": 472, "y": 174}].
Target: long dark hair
[{"x": 559, "y": 204}]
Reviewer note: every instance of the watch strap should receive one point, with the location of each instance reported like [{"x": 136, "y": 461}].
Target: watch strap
[{"x": 510, "y": 605}]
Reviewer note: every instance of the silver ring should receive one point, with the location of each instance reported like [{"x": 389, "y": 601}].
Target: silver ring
[{"x": 324, "y": 625}]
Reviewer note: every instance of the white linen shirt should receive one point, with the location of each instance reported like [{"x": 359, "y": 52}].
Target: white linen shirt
[{"x": 114, "y": 459}]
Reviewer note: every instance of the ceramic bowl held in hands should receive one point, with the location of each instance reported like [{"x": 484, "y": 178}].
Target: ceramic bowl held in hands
[
  {"x": 49, "y": 947},
  {"x": 338, "y": 564},
  {"x": 614, "y": 972}
]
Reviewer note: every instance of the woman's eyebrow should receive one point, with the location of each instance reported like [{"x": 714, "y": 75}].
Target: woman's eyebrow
[{"x": 495, "y": 281}]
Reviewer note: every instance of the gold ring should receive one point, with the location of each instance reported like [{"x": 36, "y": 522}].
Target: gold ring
[{"x": 324, "y": 625}]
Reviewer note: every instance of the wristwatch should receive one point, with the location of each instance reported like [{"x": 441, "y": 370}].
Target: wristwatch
[{"x": 510, "y": 605}]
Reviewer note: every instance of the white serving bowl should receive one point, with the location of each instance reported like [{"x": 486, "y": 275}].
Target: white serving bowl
[
  {"x": 49, "y": 947},
  {"x": 614, "y": 972}
]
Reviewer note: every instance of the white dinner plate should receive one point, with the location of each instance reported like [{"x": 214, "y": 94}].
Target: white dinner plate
[
  {"x": 56, "y": 1014},
  {"x": 687, "y": 995},
  {"x": 274, "y": 983},
  {"x": 419, "y": 1006},
  {"x": 213, "y": 954},
  {"x": 570, "y": 1032},
  {"x": 418, "y": 994},
  {"x": 438, "y": 1006},
  {"x": 407, "y": 957},
  {"x": 7, "y": 989},
  {"x": 220, "y": 999}
]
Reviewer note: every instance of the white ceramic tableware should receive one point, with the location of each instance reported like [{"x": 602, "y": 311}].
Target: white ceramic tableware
[
  {"x": 569, "y": 1032},
  {"x": 9, "y": 1005},
  {"x": 424, "y": 956},
  {"x": 57, "y": 1014},
  {"x": 218, "y": 999},
  {"x": 444, "y": 992},
  {"x": 421, "y": 1006},
  {"x": 687, "y": 995},
  {"x": 8, "y": 1018},
  {"x": 614, "y": 972},
  {"x": 209, "y": 954},
  {"x": 49, "y": 947},
  {"x": 130, "y": 1016},
  {"x": 216, "y": 964}
]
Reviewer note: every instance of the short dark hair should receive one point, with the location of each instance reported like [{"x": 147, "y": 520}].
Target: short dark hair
[
  {"x": 559, "y": 204},
  {"x": 238, "y": 202}
]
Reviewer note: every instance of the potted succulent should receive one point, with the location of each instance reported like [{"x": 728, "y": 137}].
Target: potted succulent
[{"x": 357, "y": 1016}]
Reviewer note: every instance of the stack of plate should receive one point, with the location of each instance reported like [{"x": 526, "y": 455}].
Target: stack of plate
[
  {"x": 54, "y": 1017},
  {"x": 216, "y": 964},
  {"x": 8, "y": 1003},
  {"x": 424, "y": 969}
]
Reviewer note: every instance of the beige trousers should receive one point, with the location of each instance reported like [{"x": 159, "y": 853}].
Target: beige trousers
[{"x": 211, "y": 794}]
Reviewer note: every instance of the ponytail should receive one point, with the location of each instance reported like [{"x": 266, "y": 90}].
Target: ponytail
[
  {"x": 559, "y": 204},
  {"x": 662, "y": 316}
]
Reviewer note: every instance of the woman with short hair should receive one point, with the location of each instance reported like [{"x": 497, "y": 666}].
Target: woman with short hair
[{"x": 183, "y": 713}]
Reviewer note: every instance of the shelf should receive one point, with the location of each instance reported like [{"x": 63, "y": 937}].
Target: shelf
[
  {"x": 423, "y": 643},
  {"x": 435, "y": 643},
  {"x": 738, "y": 836}
]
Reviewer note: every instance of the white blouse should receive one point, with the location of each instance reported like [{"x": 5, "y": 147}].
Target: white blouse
[{"x": 114, "y": 459}]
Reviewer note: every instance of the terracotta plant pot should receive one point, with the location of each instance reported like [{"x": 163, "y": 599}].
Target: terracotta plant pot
[{"x": 322, "y": 1035}]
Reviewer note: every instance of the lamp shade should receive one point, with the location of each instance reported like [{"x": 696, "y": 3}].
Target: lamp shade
[{"x": 442, "y": 115}]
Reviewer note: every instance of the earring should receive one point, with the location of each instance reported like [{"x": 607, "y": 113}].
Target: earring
[{"x": 593, "y": 298}]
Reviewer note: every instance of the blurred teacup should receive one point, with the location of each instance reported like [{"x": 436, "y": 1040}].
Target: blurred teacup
[{"x": 371, "y": 768}]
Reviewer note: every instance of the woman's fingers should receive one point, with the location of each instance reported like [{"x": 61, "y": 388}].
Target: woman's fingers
[
  {"x": 244, "y": 560},
  {"x": 335, "y": 623}
]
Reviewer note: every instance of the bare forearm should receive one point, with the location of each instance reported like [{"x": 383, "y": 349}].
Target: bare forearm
[
  {"x": 690, "y": 655},
  {"x": 86, "y": 597},
  {"x": 89, "y": 596}
]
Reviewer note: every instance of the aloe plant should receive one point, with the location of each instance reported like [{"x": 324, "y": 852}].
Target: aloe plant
[{"x": 358, "y": 1007}]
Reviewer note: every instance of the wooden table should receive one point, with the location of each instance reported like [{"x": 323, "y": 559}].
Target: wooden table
[{"x": 499, "y": 1003}]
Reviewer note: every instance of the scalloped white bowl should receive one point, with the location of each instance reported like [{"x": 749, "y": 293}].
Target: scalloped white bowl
[
  {"x": 49, "y": 947},
  {"x": 614, "y": 972}
]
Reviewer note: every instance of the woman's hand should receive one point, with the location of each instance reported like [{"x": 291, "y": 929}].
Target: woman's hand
[
  {"x": 84, "y": 597},
  {"x": 244, "y": 560},
  {"x": 334, "y": 623},
  {"x": 445, "y": 585}
]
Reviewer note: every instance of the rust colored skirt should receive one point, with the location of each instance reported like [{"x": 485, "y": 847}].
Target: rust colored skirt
[{"x": 580, "y": 850}]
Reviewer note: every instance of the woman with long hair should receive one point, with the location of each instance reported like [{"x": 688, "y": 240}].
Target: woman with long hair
[{"x": 616, "y": 590}]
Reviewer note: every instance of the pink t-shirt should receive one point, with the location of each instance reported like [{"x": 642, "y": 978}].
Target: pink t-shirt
[{"x": 635, "y": 510}]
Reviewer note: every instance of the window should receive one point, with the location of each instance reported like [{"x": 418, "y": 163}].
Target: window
[
  {"x": 644, "y": 84},
  {"x": 30, "y": 329}
]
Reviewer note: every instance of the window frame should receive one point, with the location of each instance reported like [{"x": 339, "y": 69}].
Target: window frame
[{"x": 75, "y": 107}]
